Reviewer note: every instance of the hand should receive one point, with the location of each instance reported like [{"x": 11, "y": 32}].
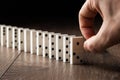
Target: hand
[{"x": 109, "y": 33}]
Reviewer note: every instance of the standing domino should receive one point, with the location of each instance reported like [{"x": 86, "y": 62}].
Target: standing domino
[
  {"x": 52, "y": 45},
  {"x": 45, "y": 44},
  {"x": 39, "y": 42},
  {"x": 33, "y": 41},
  {"x": 26, "y": 40},
  {"x": 3, "y": 35},
  {"x": 15, "y": 38},
  {"x": 77, "y": 52},
  {"x": 20, "y": 39},
  {"x": 9, "y": 37},
  {"x": 66, "y": 48},
  {"x": 59, "y": 46}
]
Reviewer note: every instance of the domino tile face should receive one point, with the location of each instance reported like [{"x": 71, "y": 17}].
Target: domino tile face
[
  {"x": 33, "y": 47},
  {"x": 59, "y": 47},
  {"x": 77, "y": 52},
  {"x": 45, "y": 44},
  {"x": 66, "y": 48},
  {"x": 52, "y": 45},
  {"x": 27, "y": 40},
  {"x": 20, "y": 39},
  {"x": 3, "y": 35},
  {"x": 9, "y": 37},
  {"x": 39, "y": 42}
]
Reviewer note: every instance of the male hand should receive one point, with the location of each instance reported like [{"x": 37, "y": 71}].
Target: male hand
[{"x": 109, "y": 33}]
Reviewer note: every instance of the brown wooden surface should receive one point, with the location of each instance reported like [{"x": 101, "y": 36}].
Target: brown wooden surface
[
  {"x": 32, "y": 67},
  {"x": 7, "y": 56},
  {"x": 24, "y": 66}
]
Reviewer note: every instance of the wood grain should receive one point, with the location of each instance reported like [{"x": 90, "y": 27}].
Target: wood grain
[
  {"x": 7, "y": 56},
  {"x": 32, "y": 67}
]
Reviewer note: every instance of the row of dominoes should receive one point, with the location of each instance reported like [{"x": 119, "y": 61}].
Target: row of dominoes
[{"x": 63, "y": 47}]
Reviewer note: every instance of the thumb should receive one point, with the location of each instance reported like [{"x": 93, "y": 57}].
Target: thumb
[{"x": 107, "y": 36}]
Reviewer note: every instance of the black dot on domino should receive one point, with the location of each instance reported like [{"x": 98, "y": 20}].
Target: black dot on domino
[
  {"x": 46, "y": 47},
  {"x": 39, "y": 34},
  {"x": 52, "y": 49},
  {"x": 46, "y": 54},
  {"x": 74, "y": 53},
  {"x": 40, "y": 46},
  {"x": 66, "y": 52},
  {"x": 52, "y": 56},
  {"x": 66, "y": 46},
  {"x": 78, "y": 57},
  {"x": 16, "y": 47},
  {"x": 52, "y": 36},
  {"x": 59, "y": 57},
  {"x": 21, "y": 42},
  {"x": 16, "y": 30},
  {"x": 46, "y": 35},
  {"x": 78, "y": 43},
  {"x": 59, "y": 50},
  {"x": 9, "y": 29},
  {"x": 3, "y": 33},
  {"x": 81, "y": 61},
  {"x": 66, "y": 38},
  {"x": 3, "y": 27},
  {"x": 15, "y": 36},
  {"x": 15, "y": 40},
  {"x": 21, "y": 31},
  {"x": 59, "y": 37},
  {"x": 66, "y": 59},
  {"x": 52, "y": 43}
]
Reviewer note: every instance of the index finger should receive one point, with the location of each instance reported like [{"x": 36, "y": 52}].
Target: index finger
[{"x": 86, "y": 19}]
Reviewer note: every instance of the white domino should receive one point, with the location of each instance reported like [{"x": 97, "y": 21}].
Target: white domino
[
  {"x": 59, "y": 46},
  {"x": 9, "y": 37},
  {"x": 3, "y": 35},
  {"x": 45, "y": 44},
  {"x": 26, "y": 40},
  {"x": 20, "y": 39},
  {"x": 77, "y": 52},
  {"x": 39, "y": 42},
  {"x": 33, "y": 37},
  {"x": 15, "y": 38},
  {"x": 52, "y": 45},
  {"x": 66, "y": 48}
]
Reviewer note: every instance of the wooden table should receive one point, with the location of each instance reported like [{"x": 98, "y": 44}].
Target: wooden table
[
  {"x": 16, "y": 65},
  {"x": 24, "y": 66}
]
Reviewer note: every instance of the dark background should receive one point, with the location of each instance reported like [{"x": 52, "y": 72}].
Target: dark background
[
  {"x": 31, "y": 11},
  {"x": 50, "y": 15}
]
